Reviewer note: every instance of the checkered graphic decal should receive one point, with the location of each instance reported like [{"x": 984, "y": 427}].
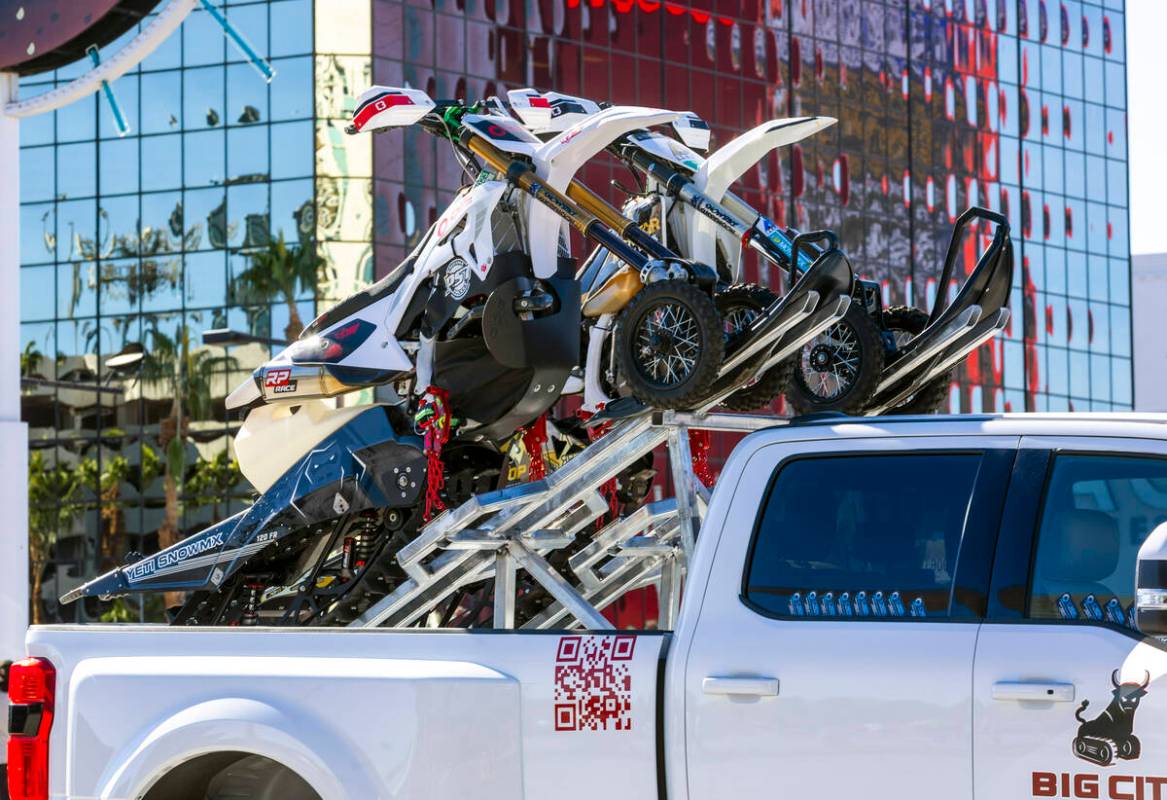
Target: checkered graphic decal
[{"x": 593, "y": 683}]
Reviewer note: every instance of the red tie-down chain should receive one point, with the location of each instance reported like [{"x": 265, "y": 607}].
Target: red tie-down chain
[
  {"x": 433, "y": 422},
  {"x": 534, "y": 437},
  {"x": 699, "y": 444}
]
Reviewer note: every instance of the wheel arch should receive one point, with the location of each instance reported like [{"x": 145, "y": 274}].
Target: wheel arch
[{"x": 215, "y": 733}]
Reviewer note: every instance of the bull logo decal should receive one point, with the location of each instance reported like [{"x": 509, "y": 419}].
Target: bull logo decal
[{"x": 1111, "y": 733}]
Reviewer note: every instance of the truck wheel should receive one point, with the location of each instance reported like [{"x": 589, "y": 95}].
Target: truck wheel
[
  {"x": 669, "y": 344},
  {"x": 839, "y": 369},
  {"x": 259, "y": 778},
  {"x": 739, "y": 306},
  {"x": 905, "y": 322}
]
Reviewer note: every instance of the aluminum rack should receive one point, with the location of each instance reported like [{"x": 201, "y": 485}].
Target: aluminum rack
[{"x": 495, "y": 534}]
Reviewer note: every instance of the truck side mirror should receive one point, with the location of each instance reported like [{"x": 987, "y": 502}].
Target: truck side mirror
[{"x": 1151, "y": 584}]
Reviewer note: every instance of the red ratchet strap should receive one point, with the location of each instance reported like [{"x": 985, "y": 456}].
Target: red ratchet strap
[
  {"x": 699, "y": 444},
  {"x": 436, "y": 429},
  {"x": 534, "y": 437}
]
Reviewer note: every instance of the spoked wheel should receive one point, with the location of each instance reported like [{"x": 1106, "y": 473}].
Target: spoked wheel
[
  {"x": 839, "y": 369},
  {"x": 739, "y": 306},
  {"x": 669, "y": 344},
  {"x": 905, "y": 323}
]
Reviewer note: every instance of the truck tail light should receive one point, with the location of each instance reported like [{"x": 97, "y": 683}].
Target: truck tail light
[{"x": 31, "y": 687}]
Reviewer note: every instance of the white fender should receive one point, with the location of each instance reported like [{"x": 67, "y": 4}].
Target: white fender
[
  {"x": 729, "y": 162},
  {"x": 243, "y": 725},
  {"x": 557, "y": 161}
]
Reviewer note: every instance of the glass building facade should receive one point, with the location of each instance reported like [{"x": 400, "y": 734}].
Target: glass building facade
[{"x": 147, "y": 239}]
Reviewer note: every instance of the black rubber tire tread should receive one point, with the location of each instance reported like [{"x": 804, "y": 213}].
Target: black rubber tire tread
[
  {"x": 259, "y": 778},
  {"x": 803, "y": 401},
  {"x": 932, "y": 398},
  {"x": 712, "y": 345},
  {"x": 773, "y": 382}
]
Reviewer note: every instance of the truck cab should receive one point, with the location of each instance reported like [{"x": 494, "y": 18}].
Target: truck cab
[{"x": 897, "y": 607}]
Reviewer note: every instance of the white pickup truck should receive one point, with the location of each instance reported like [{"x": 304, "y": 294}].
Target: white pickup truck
[{"x": 913, "y": 608}]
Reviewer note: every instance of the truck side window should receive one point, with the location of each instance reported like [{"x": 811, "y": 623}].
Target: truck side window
[
  {"x": 861, "y": 536},
  {"x": 1098, "y": 510}
]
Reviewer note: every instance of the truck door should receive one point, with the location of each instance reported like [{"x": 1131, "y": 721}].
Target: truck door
[
  {"x": 1069, "y": 699},
  {"x": 833, "y": 653}
]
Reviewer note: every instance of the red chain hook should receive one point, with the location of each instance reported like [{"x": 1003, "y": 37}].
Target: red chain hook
[{"x": 435, "y": 426}]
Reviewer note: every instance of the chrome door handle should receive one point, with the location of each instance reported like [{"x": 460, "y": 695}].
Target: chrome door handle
[
  {"x": 741, "y": 686},
  {"x": 1034, "y": 691}
]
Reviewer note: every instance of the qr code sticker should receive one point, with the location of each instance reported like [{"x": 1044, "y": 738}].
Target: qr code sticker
[{"x": 593, "y": 683}]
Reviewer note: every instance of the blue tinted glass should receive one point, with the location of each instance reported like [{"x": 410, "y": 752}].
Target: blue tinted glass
[
  {"x": 206, "y": 279},
  {"x": 161, "y": 162},
  {"x": 77, "y": 289},
  {"x": 204, "y": 158},
  {"x": 205, "y": 218},
  {"x": 1098, "y": 511},
  {"x": 37, "y": 173},
  {"x": 894, "y": 525},
  {"x": 78, "y": 120},
  {"x": 37, "y": 129},
  {"x": 247, "y": 215},
  {"x": 291, "y": 28},
  {"x": 37, "y": 293},
  {"x": 119, "y": 286},
  {"x": 246, "y": 95},
  {"x": 161, "y": 102},
  {"x": 293, "y": 148},
  {"x": 118, "y": 165},
  {"x": 247, "y": 156},
  {"x": 203, "y": 41},
  {"x": 77, "y": 170},
  {"x": 291, "y": 91},
  {"x": 292, "y": 210},
  {"x": 38, "y": 233},
  {"x": 203, "y": 97},
  {"x": 251, "y": 21}
]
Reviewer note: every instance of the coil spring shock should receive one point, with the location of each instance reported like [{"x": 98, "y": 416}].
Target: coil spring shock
[
  {"x": 364, "y": 538},
  {"x": 250, "y": 615}
]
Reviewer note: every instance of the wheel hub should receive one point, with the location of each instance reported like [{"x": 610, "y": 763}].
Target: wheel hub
[{"x": 822, "y": 357}]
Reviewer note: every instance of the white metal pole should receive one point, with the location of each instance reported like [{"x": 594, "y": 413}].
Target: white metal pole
[{"x": 13, "y": 433}]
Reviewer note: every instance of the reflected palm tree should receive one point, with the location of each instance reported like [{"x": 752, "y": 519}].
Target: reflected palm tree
[
  {"x": 280, "y": 273},
  {"x": 52, "y": 491},
  {"x": 186, "y": 376}
]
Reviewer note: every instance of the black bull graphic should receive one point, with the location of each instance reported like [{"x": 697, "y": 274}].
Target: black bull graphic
[{"x": 1111, "y": 733}]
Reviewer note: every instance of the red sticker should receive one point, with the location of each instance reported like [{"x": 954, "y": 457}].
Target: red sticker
[
  {"x": 276, "y": 377},
  {"x": 593, "y": 683}
]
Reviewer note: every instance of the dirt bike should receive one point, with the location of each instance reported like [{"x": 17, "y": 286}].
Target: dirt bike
[{"x": 869, "y": 360}]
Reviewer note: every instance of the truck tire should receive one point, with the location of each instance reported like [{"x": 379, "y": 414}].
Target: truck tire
[
  {"x": 932, "y": 397},
  {"x": 669, "y": 344},
  {"x": 739, "y": 305},
  {"x": 839, "y": 369},
  {"x": 259, "y": 778}
]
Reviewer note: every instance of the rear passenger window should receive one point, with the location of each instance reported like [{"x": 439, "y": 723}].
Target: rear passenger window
[
  {"x": 1098, "y": 510},
  {"x": 862, "y": 536}
]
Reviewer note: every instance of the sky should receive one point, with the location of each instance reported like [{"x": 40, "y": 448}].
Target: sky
[{"x": 1146, "y": 23}]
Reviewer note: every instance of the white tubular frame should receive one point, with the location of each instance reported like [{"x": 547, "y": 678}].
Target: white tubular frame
[{"x": 121, "y": 62}]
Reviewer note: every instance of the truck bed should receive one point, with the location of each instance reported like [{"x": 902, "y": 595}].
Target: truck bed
[{"x": 357, "y": 713}]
